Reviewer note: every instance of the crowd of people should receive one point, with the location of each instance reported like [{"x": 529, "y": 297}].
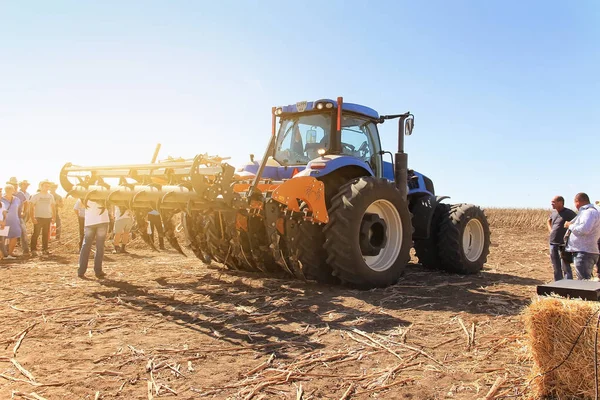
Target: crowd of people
[
  {"x": 574, "y": 238},
  {"x": 18, "y": 207},
  {"x": 42, "y": 209}
]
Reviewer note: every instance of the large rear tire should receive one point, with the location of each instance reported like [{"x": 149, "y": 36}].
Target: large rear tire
[
  {"x": 463, "y": 238},
  {"x": 368, "y": 237}
]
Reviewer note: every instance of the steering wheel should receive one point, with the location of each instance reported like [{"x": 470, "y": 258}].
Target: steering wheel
[
  {"x": 363, "y": 149},
  {"x": 349, "y": 147}
]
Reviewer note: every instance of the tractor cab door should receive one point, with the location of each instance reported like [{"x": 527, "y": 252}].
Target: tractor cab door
[{"x": 361, "y": 140}]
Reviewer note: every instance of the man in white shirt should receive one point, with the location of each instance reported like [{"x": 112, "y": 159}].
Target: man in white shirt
[
  {"x": 43, "y": 213},
  {"x": 584, "y": 234},
  {"x": 96, "y": 227}
]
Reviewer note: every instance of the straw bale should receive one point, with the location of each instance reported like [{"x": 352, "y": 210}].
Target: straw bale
[{"x": 561, "y": 337}]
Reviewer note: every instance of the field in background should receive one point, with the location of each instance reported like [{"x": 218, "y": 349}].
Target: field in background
[
  {"x": 163, "y": 324},
  {"x": 532, "y": 218}
]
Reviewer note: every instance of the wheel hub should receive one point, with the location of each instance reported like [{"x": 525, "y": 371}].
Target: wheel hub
[{"x": 373, "y": 234}]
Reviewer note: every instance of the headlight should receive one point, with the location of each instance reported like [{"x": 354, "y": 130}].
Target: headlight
[
  {"x": 329, "y": 105},
  {"x": 278, "y": 111},
  {"x": 320, "y": 106}
]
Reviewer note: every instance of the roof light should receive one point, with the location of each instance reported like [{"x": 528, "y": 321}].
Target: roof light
[
  {"x": 321, "y": 152},
  {"x": 320, "y": 106},
  {"x": 329, "y": 105}
]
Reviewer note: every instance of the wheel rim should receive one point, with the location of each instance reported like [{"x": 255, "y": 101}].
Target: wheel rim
[
  {"x": 473, "y": 240},
  {"x": 389, "y": 253}
]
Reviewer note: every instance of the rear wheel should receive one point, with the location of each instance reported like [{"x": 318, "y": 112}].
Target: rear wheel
[
  {"x": 463, "y": 239},
  {"x": 368, "y": 237}
]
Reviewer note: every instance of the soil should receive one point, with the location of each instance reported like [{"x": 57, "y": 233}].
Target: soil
[{"x": 165, "y": 325}]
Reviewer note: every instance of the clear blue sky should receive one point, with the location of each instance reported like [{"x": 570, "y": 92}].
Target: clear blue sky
[{"x": 505, "y": 93}]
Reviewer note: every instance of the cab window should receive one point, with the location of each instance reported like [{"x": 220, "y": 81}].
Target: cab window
[{"x": 356, "y": 140}]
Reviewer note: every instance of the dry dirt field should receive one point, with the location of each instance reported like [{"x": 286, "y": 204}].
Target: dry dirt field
[{"x": 162, "y": 325}]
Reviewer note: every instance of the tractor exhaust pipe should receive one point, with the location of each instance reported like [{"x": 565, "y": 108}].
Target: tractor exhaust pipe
[
  {"x": 405, "y": 127},
  {"x": 401, "y": 161}
]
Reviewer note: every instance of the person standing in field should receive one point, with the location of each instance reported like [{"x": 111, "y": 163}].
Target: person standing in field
[
  {"x": 24, "y": 197},
  {"x": 123, "y": 225},
  {"x": 96, "y": 228},
  {"x": 13, "y": 208},
  {"x": 43, "y": 213},
  {"x": 156, "y": 225},
  {"x": 556, "y": 227},
  {"x": 583, "y": 235},
  {"x": 79, "y": 210},
  {"x": 59, "y": 204}
]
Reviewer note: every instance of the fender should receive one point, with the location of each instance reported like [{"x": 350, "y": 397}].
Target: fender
[
  {"x": 327, "y": 164},
  {"x": 422, "y": 209}
]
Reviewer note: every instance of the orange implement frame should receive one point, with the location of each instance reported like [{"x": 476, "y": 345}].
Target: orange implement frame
[{"x": 306, "y": 189}]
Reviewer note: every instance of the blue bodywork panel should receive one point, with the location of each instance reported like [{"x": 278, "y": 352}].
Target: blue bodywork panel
[
  {"x": 275, "y": 173},
  {"x": 357, "y": 108},
  {"x": 333, "y": 163},
  {"x": 415, "y": 185}
]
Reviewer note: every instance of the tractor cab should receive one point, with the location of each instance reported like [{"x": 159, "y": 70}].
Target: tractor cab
[{"x": 309, "y": 131}]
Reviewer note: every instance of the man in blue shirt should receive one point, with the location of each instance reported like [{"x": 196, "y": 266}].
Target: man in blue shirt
[
  {"x": 556, "y": 227},
  {"x": 584, "y": 234}
]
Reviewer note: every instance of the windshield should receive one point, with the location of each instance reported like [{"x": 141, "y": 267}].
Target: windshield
[{"x": 301, "y": 136}]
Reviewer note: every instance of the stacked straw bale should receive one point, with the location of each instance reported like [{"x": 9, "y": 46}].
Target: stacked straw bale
[{"x": 553, "y": 326}]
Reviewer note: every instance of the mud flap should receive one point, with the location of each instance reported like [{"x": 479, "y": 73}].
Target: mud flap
[{"x": 422, "y": 210}]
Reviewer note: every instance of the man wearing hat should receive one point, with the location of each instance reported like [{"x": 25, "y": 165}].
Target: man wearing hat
[
  {"x": 42, "y": 215},
  {"x": 24, "y": 197}
]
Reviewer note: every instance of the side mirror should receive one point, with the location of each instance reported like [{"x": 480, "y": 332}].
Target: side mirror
[
  {"x": 311, "y": 136},
  {"x": 409, "y": 124}
]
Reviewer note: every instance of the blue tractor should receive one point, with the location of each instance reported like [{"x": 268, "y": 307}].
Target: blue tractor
[
  {"x": 325, "y": 202},
  {"x": 377, "y": 207}
]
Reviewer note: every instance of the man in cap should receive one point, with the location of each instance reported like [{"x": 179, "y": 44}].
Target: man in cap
[
  {"x": 43, "y": 213},
  {"x": 24, "y": 197}
]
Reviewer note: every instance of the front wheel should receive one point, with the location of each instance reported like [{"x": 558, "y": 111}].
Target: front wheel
[
  {"x": 368, "y": 237},
  {"x": 463, "y": 238}
]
